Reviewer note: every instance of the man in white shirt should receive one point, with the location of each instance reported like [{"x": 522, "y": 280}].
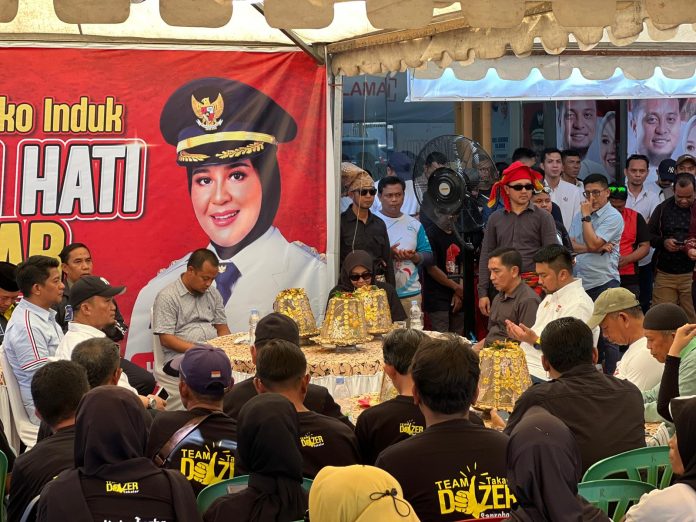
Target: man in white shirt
[
  {"x": 401, "y": 166},
  {"x": 618, "y": 313},
  {"x": 567, "y": 196},
  {"x": 92, "y": 303},
  {"x": 565, "y": 297},
  {"x": 409, "y": 244},
  {"x": 644, "y": 202},
  {"x": 571, "y": 167}
]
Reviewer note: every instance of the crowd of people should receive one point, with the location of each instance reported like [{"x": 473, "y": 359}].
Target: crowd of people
[{"x": 593, "y": 279}]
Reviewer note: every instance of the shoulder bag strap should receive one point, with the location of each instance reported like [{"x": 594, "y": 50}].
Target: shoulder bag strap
[{"x": 166, "y": 451}]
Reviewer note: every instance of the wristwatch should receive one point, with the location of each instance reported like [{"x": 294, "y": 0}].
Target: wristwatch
[
  {"x": 586, "y": 219},
  {"x": 151, "y": 403}
]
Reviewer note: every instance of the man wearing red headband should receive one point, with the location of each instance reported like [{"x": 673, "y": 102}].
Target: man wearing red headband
[{"x": 519, "y": 225}]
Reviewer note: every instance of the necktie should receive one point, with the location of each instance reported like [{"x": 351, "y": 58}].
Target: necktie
[{"x": 226, "y": 280}]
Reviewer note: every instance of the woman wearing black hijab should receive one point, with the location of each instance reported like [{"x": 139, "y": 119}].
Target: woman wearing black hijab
[
  {"x": 676, "y": 503},
  {"x": 268, "y": 445},
  {"x": 358, "y": 271},
  {"x": 112, "y": 479},
  {"x": 544, "y": 468}
]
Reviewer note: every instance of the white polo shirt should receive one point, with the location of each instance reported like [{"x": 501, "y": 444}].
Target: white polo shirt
[
  {"x": 639, "y": 366},
  {"x": 78, "y": 332},
  {"x": 568, "y": 197},
  {"x": 644, "y": 203},
  {"x": 569, "y": 301}
]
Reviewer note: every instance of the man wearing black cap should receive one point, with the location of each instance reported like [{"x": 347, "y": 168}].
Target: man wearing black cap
[
  {"x": 9, "y": 291},
  {"x": 204, "y": 452},
  {"x": 279, "y": 326},
  {"x": 666, "y": 173},
  {"x": 92, "y": 302}
]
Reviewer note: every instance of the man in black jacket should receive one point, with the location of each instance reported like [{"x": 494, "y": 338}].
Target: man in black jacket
[{"x": 279, "y": 326}]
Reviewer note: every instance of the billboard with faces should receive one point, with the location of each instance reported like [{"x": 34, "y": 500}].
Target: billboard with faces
[
  {"x": 590, "y": 127},
  {"x": 660, "y": 129}
]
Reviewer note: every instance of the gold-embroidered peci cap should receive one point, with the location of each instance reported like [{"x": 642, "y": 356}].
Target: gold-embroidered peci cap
[{"x": 216, "y": 120}]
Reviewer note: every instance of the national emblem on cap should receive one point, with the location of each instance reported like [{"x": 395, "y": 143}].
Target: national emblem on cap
[
  {"x": 232, "y": 120},
  {"x": 208, "y": 113}
]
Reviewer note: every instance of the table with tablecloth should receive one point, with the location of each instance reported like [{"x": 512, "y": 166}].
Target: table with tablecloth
[{"x": 359, "y": 369}]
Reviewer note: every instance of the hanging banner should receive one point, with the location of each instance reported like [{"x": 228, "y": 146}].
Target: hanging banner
[
  {"x": 590, "y": 127},
  {"x": 147, "y": 155},
  {"x": 660, "y": 129}
]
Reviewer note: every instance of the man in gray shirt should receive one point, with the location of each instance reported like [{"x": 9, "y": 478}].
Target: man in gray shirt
[
  {"x": 520, "y": 225},
  {"x": 189, "y": 310}
]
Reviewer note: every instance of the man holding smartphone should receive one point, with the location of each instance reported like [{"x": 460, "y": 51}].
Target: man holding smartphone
[{"x": 669, "y": 228}]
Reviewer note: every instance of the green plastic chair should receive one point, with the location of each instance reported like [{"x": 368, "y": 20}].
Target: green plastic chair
[
  {"x": 619, "y": 493},
  {"x": 651, "y": 461},
  {"x": 209, "y": 494}
]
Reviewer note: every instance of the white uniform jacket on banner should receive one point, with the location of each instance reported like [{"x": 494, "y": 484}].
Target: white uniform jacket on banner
[{"x": 267, "y": 266}]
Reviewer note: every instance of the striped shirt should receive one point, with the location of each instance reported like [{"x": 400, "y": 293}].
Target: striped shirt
[{"x": 31, "y": 340}]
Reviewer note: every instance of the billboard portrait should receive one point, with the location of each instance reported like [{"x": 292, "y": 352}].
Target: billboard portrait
[
  {"x": 145, "y": 156},
  {"x": 661, "y": 129},
  {"x": 589, "y": 126}
]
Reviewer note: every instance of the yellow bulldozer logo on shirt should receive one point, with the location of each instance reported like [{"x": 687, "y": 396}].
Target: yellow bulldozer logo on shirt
[
  {"x": 474, "y": 495},
  {"x": 207, "y": 467},
  {"x": 125, "y": 488}
]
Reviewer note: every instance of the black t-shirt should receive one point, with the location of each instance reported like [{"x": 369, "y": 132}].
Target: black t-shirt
[
  {"x": 436, "y": 297},
  {"x": 385, "y": 424},
  {"x": 206, "y": 455},
  {"x": 454, "y": 470},
  {"x": 318, "y": 399},
  {"x": 35, "y": 468},
  {"x": 145, "y": 500},
  {"x": 325, "y": 441}
]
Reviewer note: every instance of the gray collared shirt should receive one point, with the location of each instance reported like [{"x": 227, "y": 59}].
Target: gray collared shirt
[
  {"x": 526, "y": 232},
  {"x": 191, "y": 317}
]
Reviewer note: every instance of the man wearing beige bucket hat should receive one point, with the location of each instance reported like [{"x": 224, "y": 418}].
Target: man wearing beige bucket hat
[{"x": 360, "y": 228}]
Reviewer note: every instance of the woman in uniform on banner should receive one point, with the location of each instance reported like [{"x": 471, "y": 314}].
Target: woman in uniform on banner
[{"x": 226, "y": 134}]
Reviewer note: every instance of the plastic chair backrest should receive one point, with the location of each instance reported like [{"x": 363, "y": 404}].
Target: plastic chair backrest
[
  {"x": 619, "y": 493},
  {"x": 651, "y": 461},
  {"x": 29, "y": 509},
  {"x": 208, "y": 495},
  {"x": 28, "y": 432}
]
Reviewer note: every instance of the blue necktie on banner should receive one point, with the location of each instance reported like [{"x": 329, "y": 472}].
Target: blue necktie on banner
[{"x": 226, "y": 279}]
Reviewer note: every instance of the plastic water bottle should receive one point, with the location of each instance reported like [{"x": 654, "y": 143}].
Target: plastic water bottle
[
  {"x": 416, "y": 316},
  {"x": 341, "y": 390},
  {"x": 253, "y": 321}
]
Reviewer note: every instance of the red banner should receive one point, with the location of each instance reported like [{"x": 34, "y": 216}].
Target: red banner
[{"x": 90, "y": 152}]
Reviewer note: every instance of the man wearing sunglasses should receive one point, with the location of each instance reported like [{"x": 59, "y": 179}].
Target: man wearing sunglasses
[
  {"x": 360, "y": 228},
  {"x": 519, "y": 225},
  {"x": 596, "y": 235}
]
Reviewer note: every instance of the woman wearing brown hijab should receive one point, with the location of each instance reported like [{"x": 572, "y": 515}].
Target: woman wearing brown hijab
[{"x": 112, "y": 479}]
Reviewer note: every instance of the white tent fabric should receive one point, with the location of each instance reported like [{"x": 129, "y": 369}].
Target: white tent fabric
[{"x": 420, "y": 31}]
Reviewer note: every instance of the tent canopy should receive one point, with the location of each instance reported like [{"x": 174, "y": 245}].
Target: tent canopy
[{"x": 370, "y": 36}]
